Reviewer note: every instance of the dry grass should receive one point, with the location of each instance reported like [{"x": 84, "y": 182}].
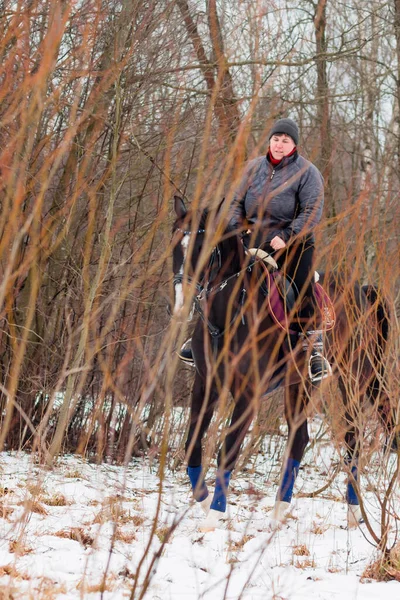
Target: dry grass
[
  {"x": 318, "y": 528},
  {"x": 35, "y": 506},
  {"x": 112, "y": 511},
  {"x": 386, "y": 568},
  {"x": 113, "y": 514},
  {"x": 118, "y": 498},
  {"x": 74, "y": 474},
  {"x": 127, "y": 574},
  {"x": 301, "y": 550},
  {"x": 18, "y": 547},
  {"x": 308, "y": 563},
  {"x": 290, "y": 516},
  {"x": 237, "y": 546},
  {"x": 7, "y": 594},
  {"x": 137, "y": 520},
  {"x": 163, "y": 533},
  {"x": 334, "y": 570},
  {"x": 35, "y": 489},
  {"x": 47, "y": 589},
  {"x": 5, "y": 511},
  {"x": 101, "y": 587},
  {"x": 77, "y": 534},
  {"x": 125, "y": 536},
  {"x": 55, "y": 500},
  {"x": 12, "y": 572}
]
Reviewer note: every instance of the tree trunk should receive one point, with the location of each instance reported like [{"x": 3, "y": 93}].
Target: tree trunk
[
  {"x": 324, "y": 162},
  {"x": 397, "y": 34},
  {"x": 225, "y": 106}
]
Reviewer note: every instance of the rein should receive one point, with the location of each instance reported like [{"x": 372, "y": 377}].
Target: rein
[
  {"x": 204, "y": 292},
  {"x": 190, "y": 232}
]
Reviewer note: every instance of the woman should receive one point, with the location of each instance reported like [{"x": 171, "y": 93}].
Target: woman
[{"x": 281, "y": 197}]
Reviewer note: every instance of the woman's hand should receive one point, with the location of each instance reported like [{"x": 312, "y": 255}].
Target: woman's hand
[{"x": 277, "y": 243}]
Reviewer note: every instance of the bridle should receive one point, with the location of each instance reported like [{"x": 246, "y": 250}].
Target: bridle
[{"x": 204, "y": 291}]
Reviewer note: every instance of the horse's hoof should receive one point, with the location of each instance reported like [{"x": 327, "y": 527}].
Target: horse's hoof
[
  {"x": 212, "y": 521},
  {"x": 274, "y": 525},
  {"x": 206, "y": 503},
  {"x": 354, "y": 516},
  {"x": 279, "y": 511}
]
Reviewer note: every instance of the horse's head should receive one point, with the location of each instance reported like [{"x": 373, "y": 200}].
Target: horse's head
[
  {"x": 205, "y": 251},
  {"x": 189, "y": 235}
]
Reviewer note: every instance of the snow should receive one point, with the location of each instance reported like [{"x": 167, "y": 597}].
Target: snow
[{"x": 69, "y": 531}]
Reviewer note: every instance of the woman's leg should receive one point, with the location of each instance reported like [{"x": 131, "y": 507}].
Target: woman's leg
[{"x": 298, "y": 264}]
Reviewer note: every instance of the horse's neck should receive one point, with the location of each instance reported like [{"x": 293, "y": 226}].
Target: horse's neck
[
  {"x": 240, "y": 298},
  {"x": 227, "y": 264},
  {"x": 232, "y": 256}
]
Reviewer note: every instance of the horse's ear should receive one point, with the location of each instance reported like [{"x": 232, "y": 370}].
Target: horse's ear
[{"x": 180, "y": 207}]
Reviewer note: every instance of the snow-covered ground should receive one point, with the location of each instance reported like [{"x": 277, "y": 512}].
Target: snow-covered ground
[{"x": 78, "y": 529}]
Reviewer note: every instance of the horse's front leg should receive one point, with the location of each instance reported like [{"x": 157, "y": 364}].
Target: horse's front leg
[
  {"x": 295, "y": 402},
  {"x": 242, "y": 417},
  {"x": 201, "y": 412}
]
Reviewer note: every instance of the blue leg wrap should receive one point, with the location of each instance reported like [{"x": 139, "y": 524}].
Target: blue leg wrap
[
  {"x": 200, "y": 491},
  {"x": 351, "y": 495},
  {"x": 285, "y": 491},
  {"x": 221, "y": 489}
]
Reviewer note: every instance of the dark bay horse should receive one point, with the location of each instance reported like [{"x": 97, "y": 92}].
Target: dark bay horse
[{"x": 238, "y": 346}]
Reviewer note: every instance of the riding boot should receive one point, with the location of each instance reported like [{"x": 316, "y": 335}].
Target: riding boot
[
  {"x": 185, "y": 353},
  {"x": 318, "y": 366}
]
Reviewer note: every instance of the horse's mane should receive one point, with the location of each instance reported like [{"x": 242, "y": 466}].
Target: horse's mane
[{"x": 201, "y": 217}]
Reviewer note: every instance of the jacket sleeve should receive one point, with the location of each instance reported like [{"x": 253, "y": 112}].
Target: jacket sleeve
[
  {"x": 310, "y": 199},
  {"x": 237, "y": 212}
]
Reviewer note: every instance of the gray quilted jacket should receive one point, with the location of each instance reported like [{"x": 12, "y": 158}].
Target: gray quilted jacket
[{"x": 286, "y": 200}]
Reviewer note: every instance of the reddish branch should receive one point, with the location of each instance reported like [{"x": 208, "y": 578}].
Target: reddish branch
[{"x": 216, "y": 73}]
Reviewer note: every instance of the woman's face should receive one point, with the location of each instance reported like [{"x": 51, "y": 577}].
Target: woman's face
[{"x": 281, "y": 145}]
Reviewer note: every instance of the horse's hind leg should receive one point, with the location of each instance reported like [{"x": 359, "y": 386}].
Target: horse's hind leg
[
  {"x": 295, "y": 401},
  {"x": 381, "y": 401},
  {"x": 354, "y": 515},
  {"x": 201, "y": 412}
]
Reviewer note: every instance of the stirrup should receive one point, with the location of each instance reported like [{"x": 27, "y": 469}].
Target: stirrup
[
  {"x": 318, "y": 367},
  {"x": 185, "y": 353}
]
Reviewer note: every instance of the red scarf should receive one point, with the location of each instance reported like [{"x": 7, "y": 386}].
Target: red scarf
[{"x": 276, "y": 161}]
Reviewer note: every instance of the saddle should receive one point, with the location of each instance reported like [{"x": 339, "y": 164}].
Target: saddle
[{"x": 282, "y": 292}]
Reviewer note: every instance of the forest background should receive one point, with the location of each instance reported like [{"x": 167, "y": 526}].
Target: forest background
[{"x": 110, "y": 108}]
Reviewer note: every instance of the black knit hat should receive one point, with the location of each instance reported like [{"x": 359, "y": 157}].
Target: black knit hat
[{"x": 287, "y": 126}]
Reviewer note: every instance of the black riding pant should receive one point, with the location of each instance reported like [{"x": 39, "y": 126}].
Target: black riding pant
[{"x": 297, "y": 262}]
